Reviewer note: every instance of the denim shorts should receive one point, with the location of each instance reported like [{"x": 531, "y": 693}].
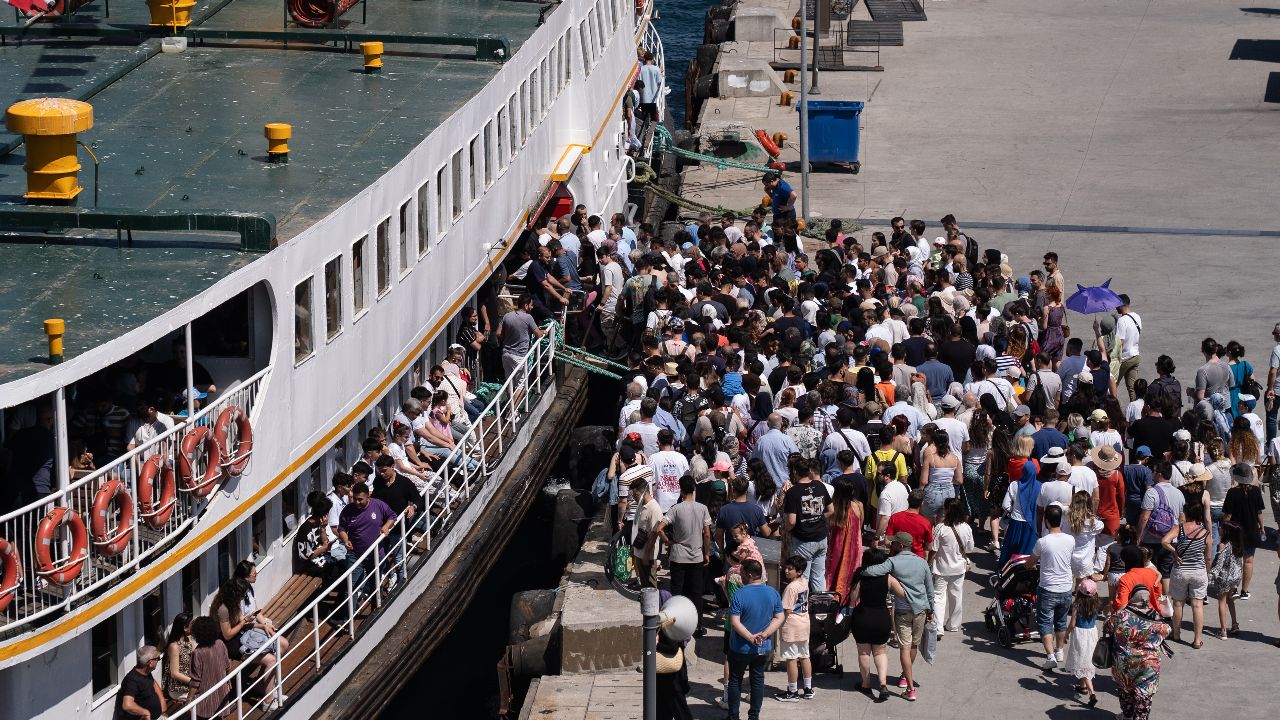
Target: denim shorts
[{"x": 1052, "y": 611}]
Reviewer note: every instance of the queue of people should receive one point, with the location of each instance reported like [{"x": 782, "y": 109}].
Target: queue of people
[{"x": 883, "y": 407}]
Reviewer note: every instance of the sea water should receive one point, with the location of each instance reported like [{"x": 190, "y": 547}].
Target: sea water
[{"x": 680, "y": 25}]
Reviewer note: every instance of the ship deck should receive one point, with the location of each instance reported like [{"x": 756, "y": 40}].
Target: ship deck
[{"x": 184, "y": 131}]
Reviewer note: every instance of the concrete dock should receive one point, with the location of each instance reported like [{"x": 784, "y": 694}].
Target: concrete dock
[
  {"x": 1130, "y": 117},
  {"x": 1109, "y": 113}
]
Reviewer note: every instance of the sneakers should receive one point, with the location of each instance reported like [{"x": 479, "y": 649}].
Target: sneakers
[
  {"x": 902, "y": 681},
  {"x": 882, "y": 695},
  {"x": 1243, "y": 596},
  {"x": 807, "y": 693},
  {"x": 1050, "y": 664},
  {"x": 1060, "y": 655},
  {"x": 788, "y": 696},
  {"x": 911, "y": 695}
]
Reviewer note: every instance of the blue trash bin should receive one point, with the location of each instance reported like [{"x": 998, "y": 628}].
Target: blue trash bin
[{"x": 833, "y": 131}]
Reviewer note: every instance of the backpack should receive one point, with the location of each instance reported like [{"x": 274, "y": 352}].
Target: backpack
[
  {"x": 1039, "y": 400},
  {"x": 885, "y": 467},
  {"x": 970, "y": 251},
  {"x": 1162, "y": 518}
]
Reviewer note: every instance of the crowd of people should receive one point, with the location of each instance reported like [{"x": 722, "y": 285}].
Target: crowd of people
[{"x": 883, "y": 407}]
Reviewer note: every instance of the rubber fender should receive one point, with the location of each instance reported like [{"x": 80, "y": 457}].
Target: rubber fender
[{"x": 706, "y": 58}]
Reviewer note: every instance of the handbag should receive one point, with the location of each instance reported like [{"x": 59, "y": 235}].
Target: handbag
[
  {"x": 670, "y": 663},
  {"x": 1103, "y": 653}
]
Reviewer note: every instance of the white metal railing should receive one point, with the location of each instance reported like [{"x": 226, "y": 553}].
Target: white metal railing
[
  {"x": 652, "y": 42},
  {"x": 367, "y": 580},
  {"x": 34, "y": 595}
]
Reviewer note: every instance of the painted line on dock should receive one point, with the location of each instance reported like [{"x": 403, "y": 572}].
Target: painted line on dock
[{"x": 1123, "y": 229}]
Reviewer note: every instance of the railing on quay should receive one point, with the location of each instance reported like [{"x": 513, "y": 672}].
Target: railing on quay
[
  {"x": 33, "y": 593},
  {"x": 382, "y": 570}
]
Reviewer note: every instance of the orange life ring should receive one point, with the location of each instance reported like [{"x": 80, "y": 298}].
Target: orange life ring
[
  {"x": 45, "y": 536},
  {"x": 111, "y": 541},
  {"x": 12, "y": 568},
  {"x": 767, "y": 143},
  {"x": 234, "y": 460},
  {"x": 195, "y": 438},
  {"x": 153, "y": 514}
]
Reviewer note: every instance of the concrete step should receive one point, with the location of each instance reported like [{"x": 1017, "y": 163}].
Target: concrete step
[
  {"x": 864, "y": 33},
  {"x": 902, "y": 10}
]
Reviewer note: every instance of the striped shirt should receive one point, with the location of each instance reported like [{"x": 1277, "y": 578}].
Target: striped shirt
[{"x": 1191, "y": 549}]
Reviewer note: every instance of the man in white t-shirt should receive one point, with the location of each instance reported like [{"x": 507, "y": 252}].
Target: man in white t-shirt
[
  {"x": 668, "y": 467},
  {"x": 1053, "y": 600},
  {"x": 1055, "y": 492},
  {"x": 1084, "y": 478},
  {"x": 956, "y": 431},
  {"x": 1128, "y": 330},
  {"x": 151, "y": 424},
  {"x": 893, "y": 499},
  {"x": 611, "y": 281}
]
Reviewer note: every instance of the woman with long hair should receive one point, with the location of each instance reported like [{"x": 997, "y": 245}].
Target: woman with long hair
[
  {"x": 1188, "y": 542},
  {"x": 1053, "y": 339},
  {"x": 1244, "y": 444},
  {"x": 1243, "y": 506},
  {"x": 940, "y": 473},
  {"x": 948, "y": 561},
  {"x": 245, "y": 630},
  {"x": 866, "y": 384},
  {"x": 177, "y": 661},
  {"x": 871, "y": 623},
  {"x": 1020, "y": 507},
  {"x": 975, "y": 454},
  {"x": 210, "y": 665},
  {"x": 1084, "y": 526},
  {"x": 1241, "y": 370},
  {"x": 763, "y": 490},
  {"x": 844, "y": 545}
]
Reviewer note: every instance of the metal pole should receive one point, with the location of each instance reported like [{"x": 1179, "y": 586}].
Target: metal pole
[
  {"x": 62, "y": 476},
  {"x": 804, "y": 113},
  {"x": 649, "y": 610},
  {"x": 819, "y": 6},
  {"x": 191, "y": 400}
]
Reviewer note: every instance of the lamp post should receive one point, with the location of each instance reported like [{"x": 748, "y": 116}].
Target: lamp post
[
  {"x": 649, "y": 609},
  {"x": 804, "y": 113}
]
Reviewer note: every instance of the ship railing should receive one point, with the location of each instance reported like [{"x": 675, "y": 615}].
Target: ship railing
[
  {"x": 652, "y": 42},
  {"x": 137, "y": 535},
  {"x": 344, "y": 607}
]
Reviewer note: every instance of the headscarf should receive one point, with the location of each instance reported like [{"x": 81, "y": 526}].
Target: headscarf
[
  {"x": 1221, "y": 418},
  {"x": 1028, "y": 491},
  {"x": 920, "y": 397}
]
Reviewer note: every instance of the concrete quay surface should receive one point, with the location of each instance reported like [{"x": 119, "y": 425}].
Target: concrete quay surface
[
  {"x": 971, "y": 676},
  {"x": 1104, "y": 113}
]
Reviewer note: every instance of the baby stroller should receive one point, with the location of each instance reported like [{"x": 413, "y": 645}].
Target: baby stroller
[
  {"x": 1012, "y": 615},
  {"x": 829, "y": 625}
]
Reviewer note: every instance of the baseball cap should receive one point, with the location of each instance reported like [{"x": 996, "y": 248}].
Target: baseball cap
[
  {"x": 903, "y": 538},
  {"x": 721, "y": 466},
  {"x": 949, "y": 402},
  {"x": 1098, "y": 414},
  {"x": 1088, "y": 587},
  {"x": 193, "y": 393},
  {"x": 1022, "y": 411},
  {"x": 1142, "y": 451}
]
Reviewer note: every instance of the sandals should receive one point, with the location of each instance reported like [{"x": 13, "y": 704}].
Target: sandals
[
  {"x": 1197, "y": 644},
  {"x": 1233, "y": 630}
]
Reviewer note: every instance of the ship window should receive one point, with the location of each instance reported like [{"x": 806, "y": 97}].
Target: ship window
[
  {"x": 192, "y": 593},
  {"x": 303, "y": 346},
  {"x": 593, "y": 29},
  {"x": 384, "y": 257},
  {"x": 611, "y": 12},
  {"x": 155, "y": 628},
  {"x": 544, "y": 86},
  {"x": 565, "y": 68},
  {"x": 424, "y": 211},
  {"x": 442, "y": 200},
  {"x": 258, "y": 534},
  {"x": 475, "y": 156},
  {"x": 597, "y": 25},
  {"x": 526, "y": 119},
  {"x": 584, "y": 44},
  {"x": 455, "y": 184},
  {"x": 333, "y": 298},
  {"x": 500, "y": 136},
  {"x": 511, "y": 126},
  {"x": 357, "y": 274},
  {"x": 290, "y": 500},
  {"x": 405, "y": 256},
  {"x": 535, "y": 98},
  {"x": 488, "y": 153},
  {"x": 104, "y": 642}
]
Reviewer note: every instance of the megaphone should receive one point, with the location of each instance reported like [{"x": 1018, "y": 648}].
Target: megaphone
[{"x": 678, "y": 619}]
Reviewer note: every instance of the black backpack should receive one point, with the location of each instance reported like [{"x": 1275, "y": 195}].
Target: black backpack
[{"x": 1038, "y": 403}]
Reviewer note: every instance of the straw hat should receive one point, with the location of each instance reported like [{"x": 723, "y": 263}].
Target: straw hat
[
  {"x": 1106, "y": 459},
  {"x": 1198, "y": 473}
]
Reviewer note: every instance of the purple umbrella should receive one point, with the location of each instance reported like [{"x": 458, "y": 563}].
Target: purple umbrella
[{"x": 1089, "y": 300}]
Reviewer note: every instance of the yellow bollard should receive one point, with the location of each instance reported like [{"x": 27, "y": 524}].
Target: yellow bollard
[
  {"x": 372, "y": 52},
  {"x": 54, "y": 328},
  {"x": 786, "y": 99},
  {"x": 278, "y": 135},
  {"x": 172, "y": 14},
  {"x": 48, "y": 127},
  {"x": 789, "y": 76},
  {"x": 779, "y": 138},
  {"x": 795, "y": 23},
  {"x": 793, "y": 42}
]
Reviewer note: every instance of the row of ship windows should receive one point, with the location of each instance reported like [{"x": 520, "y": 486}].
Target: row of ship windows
[{"x": 440, "y": 203}]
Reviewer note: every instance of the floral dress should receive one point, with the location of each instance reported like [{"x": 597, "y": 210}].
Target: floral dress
[{"x": 1136, "y": 646}]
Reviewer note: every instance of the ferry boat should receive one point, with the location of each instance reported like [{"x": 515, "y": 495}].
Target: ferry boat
[{"x": 282, "y": 209}]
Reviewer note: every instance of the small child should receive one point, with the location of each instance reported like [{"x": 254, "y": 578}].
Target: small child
[
  {"x": 794, "y": 635},
  {"x": 745, "y": 550},
  {"x": 1114, "y": 567},
  {"x": 1083, "y": 626}
]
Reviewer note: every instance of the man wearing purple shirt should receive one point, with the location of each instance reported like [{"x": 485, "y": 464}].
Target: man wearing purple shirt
[{"x": 362, "y": 523}]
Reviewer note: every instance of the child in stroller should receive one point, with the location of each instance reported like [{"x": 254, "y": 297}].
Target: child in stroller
[{"x": 1012, "y": 615}]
